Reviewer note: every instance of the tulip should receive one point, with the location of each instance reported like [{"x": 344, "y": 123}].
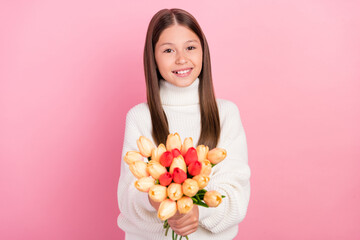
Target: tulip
[
  {"x": 178, "y": 162},
  {"x": 184, "y": 205},
  {"x": 205, "y": 167},
  {"x": 191, "y": 156},
  {"x": 188, "y": 143},
  {"x": 157, "y": 152},
  {"x": 202, "y": 180},
  {"x": 174, "y": 191},
  {"x": 190, "y": 187},
  {"x": 179, "y": 175},
  {"x": 155, "y": 169},
  {"x": 138, "y": 168},
  {"x": 167, "y": 209},
  {"x": 175, "y": 152},
  {"x": 212, "y": 198},
  {"x": 165, "y": 179},
  {"x": 194, "y": 168},
  {"x": 158, "y": 193},
  {"x": 173, "y": 141},
  {"x": 166, "y": 159},
  {"x": 145, "y": 146},
  {"x": 133, "y": 156},
  {"x": 202, "y": 152},
  {"x": 144, "y": 183},
  {"x": 216, "y": 155}
]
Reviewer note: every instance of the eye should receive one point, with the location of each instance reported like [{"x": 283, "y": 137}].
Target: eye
[
  {"x": 191, "y": 48},
  {"x": 167, "y": 50}
]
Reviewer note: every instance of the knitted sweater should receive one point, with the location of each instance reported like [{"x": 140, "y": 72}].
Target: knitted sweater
[{"x": 231, "y": 177}]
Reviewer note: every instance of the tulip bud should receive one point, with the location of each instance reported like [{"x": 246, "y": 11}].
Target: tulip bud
[
  {"x": 167, "y": 209},
  {"x": 174, "y": 191},
  {"x": 157, "y": 152},
  {"x": 133, "y": 156},
  {"x": 195, "y": 168},
  {"x": 173, "y": 141},
  {"x": 178, "y": 162},
  {"x": 179, "y": 175},
  {"x": 138, "y": 168},
  {"x": 166, "y": 159},
  {"x": 158, "y": 193},
  {"x": 212, "y": 198},
  {"x": 188, "y": 143},
  {"x": 145, "y": 146},
  {"x": 175, "y": 152},
  {"x": 202, "y": 180},
  {"x": 165, "y": 179},
  {"x": 216, "y": 155},
  {"x": 191, "y": 156},
  {"x": 144, "y": 183},
  {"x": 184, "y": 205},
  {"x": 155, "y": 169},
  {"x": 202, "y": 152},
  {"x": 205, "y": 167},
  {"x": 190, "y": 187}
]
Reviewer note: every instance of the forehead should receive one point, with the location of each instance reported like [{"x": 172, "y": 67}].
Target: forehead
[{"x": 177, "y": 34}]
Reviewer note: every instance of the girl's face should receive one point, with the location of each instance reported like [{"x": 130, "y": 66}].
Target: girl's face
[{"x": 178, "y": 55}]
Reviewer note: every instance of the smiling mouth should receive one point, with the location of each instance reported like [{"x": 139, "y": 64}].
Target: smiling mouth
[{"x": 182, "y": 72}]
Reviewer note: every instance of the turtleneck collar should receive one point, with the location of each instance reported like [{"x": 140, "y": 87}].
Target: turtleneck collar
[{"x": 172, "y": 95}]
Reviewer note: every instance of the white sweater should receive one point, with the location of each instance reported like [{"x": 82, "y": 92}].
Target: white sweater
[{"x": 230, "y": 177}]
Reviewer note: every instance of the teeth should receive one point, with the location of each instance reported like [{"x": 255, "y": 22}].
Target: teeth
[{"x": 182, "y": 72}]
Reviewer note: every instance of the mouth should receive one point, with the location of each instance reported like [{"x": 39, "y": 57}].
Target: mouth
[{"x": 182, "y": 72}]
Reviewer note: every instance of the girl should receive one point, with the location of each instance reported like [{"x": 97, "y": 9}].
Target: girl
[{"x": 180, "y": 98}]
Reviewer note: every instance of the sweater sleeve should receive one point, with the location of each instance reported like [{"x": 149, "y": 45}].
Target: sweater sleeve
[
  {"x": 231, "y": 177},
  {"x": 137, "y": 214}
]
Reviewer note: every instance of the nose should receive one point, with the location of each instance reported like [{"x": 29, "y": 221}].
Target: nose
[{"x": 180, "y": 58}]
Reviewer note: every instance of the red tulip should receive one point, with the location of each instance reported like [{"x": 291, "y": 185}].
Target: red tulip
[
  {"x": 194, "y": 168},
  {"x": 190, "y": 156},
  {"x": 179, "y": 175},
  {"x": 165, "y": 179},
  {"x": 166, "y": 159},
  {"x": 175, "y": 152}
]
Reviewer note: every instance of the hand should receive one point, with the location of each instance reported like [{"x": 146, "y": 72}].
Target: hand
[
  {"x": 155, "y": 205},
  {"x": 185, "y": 224}
]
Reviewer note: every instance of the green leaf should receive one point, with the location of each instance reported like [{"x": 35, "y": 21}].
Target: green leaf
[
  {"x": 202, "y": 204},
  {"x": 222, "y": 196}
]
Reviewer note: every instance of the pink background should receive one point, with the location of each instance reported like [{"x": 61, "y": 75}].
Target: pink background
[{"x": 70, "y": 70}]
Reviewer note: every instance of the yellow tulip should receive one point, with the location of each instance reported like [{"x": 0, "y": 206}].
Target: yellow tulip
[
  {"x": 202, "y": 152},
  {"x": 158, "y": 193},
  {"x": 184, "y": 205},
  {"x": 157, "y": 152},
  {"x": 174, "y": 191},
  {"x": 138, "y": 168},
  {"x": 173, "y": 141},
  {"x": 167, "y": 209},
  {"x": 188, "y": 143},
  {"x": 190, "y": 187},
  {"x": 202, "y": 180},
  {"x": 212, "y": 198},
  {"x": 178, "y": 162},
  {"x": 133, "y": 156},
  {"x": 216, "y": 155},
  {"x": 143, "y": 184},
  {"x": 155, "y": 169},
  {"x": 205, "y": 167},
  {"x": 145, "y": 146}
]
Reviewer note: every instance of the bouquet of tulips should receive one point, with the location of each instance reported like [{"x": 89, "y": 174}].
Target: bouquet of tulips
[{"x": 175, "y": 175}]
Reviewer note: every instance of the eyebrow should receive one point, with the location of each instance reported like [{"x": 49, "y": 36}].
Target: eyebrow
[{"x": 189, "y": 41}]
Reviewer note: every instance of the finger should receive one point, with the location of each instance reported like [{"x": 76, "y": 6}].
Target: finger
[{"x": 186, "y": 231}]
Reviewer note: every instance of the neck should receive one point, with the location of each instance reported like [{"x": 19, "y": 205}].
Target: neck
[{"x": 172, "y": 95}]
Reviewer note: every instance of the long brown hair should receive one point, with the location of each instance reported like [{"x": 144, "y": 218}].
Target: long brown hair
[{"x": 210, "y": 121}]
